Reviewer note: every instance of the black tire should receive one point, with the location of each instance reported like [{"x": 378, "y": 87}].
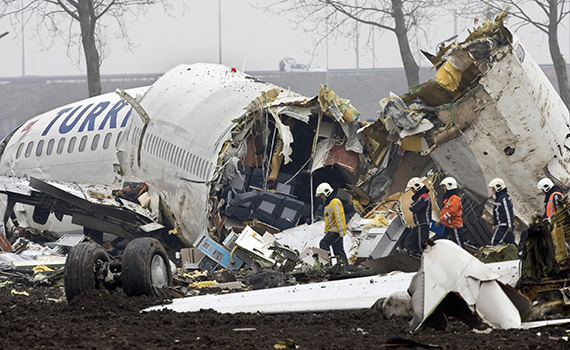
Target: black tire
[
  {"x": 145, "y": 268},
  {"x": 81, "y": 269}
]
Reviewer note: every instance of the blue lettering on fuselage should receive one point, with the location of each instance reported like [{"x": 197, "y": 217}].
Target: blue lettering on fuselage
[
  {"x": 89, "y": 119},
  {"x": 64, "y": 128},
  {"x": 111, "y": 116}
]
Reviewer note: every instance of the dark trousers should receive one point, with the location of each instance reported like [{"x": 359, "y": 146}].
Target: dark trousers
[
  {"x": 502, "y": 236},
  {"x": 415, "y": 237},
  {"x": 453, "y": 234},
  {"x": 336, "y": 241}
]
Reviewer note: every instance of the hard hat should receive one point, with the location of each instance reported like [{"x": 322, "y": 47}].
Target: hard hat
[
  {"x": 545, "y": 184},
  {"x": 415, "y": 183},
  {"x": 449, "y": 183},
  {"x": 324, "y": 188},
  {"x": 498, "y": 184}
]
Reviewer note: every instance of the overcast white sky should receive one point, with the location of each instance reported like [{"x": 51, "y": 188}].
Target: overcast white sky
[{"x": 250, "y": 37}]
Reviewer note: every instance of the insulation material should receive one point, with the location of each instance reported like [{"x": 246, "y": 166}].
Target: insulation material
[
  {"x": 285, "y": 135},
  {"x": 448, "y": 76},
  {"x": 423, "y": 126},
  {"x": 412, "y": 143},
  {"x": 457, "y": 61},
  {"x": 302, "y": 114}
]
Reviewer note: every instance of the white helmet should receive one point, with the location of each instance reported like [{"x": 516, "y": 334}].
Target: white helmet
[
  {"x": 415, "y": 183},
  {"x": 324, "y": 188},
  {"x": 498, "y": 184},
  {"x": 449, "y": 183},
  {"x": 545, "y": 184}
]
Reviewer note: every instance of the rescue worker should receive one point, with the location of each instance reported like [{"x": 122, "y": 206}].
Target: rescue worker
[
  {"x": 451, "y": 212},
  {"x": 503, "y": 218},
  {"x": 421, "y": 209},
  {"x": 552, "y": 195},
  {"x": 335, "y": 222}
]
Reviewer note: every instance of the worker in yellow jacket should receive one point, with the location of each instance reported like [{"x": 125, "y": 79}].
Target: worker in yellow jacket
[{"x": 335, "y": 222}]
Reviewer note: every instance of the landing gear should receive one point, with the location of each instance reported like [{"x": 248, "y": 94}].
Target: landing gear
[
  {"x": 145, "y": 268},
  {"x": 85, "y": 269}
]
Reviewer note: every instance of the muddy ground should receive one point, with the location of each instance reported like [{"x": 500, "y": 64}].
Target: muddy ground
[{"x": 43, "y": 320}]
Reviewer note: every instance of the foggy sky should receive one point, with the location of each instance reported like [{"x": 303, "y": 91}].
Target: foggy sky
[{"x": 250, "y": 38}]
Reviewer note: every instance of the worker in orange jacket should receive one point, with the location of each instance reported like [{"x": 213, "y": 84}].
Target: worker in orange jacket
[
  {"x": 451, "y": 212},
  {"x": 552, "y": 195}
]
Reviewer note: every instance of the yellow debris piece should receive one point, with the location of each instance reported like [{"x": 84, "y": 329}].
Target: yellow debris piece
[
  {"x": 448, "y": 77},
  {"x": 42, "y": 268},
  {"x": 337, "y": 107},
  {"x": 196, "y": 274},
  {"x": 378, "y": 221},
  {"x": 411, "y": 143},
  {"x": 15, "y": 292},
  {"x": 285, "y": 344},
  {"x": 203, "y": 284}
]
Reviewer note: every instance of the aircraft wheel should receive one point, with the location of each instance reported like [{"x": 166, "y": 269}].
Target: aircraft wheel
[
  {"x": 82, "y": 268},
  {"x": 145, "y": 267}
]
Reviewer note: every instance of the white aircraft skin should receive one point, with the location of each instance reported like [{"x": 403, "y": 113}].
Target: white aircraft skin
[{"x": 73, "y": 143}]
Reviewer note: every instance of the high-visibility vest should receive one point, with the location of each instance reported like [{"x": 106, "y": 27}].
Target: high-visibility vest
[{"x": 550, "y": 210}]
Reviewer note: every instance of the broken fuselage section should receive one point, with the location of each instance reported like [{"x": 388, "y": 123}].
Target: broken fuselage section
[
  {"x": 220, "y": 148},
  {"x": 490, "y": 112}
]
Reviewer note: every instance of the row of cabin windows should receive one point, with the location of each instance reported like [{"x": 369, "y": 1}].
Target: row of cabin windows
[
  {"x": 64, "y": 145},
  {"x": 173, "y": 154}
]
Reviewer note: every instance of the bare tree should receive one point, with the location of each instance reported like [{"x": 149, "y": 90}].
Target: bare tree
[
  {"x": 401, "y": 17},
  {"x": 545, "y": 15},
  {"x": 78, "y": 21}
]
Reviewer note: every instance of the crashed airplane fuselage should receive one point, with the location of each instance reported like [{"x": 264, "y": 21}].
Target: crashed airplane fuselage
[
  {"x": 214, "y": 146},
  {"x": 218, "y": 143}
]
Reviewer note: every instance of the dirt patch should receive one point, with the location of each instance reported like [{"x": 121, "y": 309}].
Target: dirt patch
[{"x": 112, "y": 321}]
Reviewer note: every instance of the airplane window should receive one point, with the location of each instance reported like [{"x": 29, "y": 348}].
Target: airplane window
[
  {"x": 191, "y": 166},
  {"x": 49, "y": 148},
  {"x": 29, "y": 149},
  {"x": 155, "y": 145},
  {"x": 173, "y": 154},
  {"x": 95, "y": 142},
  {"x": 71, "y": 144},
  {"x": 40, "y": 148},
  {"x": 20, "y": 149},
  {"x": 150, "y": 144},
  {"x": 107, "y": 140},
  {"x": 82, "y": 143},
  {"x": 177, "y": 156},
  {"x": 185, "y": 161},
  {"x": 198, "y": 167},
  {"x": 60, "y": 145},
  {"x": 169, "y": 153},
  {"x": 118, "y": 138}
]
